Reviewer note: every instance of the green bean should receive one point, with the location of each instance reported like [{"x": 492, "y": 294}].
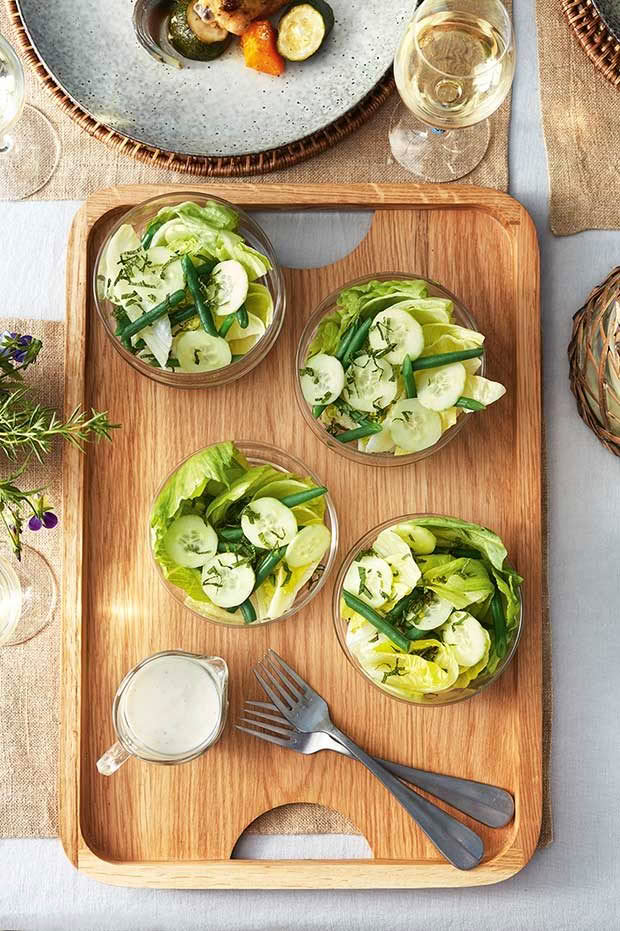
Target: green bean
[
  {"x": 249, "y": 614},
  {"x": 366, "y": 430},
  {"x": 382, "y": 625},
  {"x": 152, "y": 315},
  {"x": 231, "y": 534},
  {"x": 318, "y": 409},
  {"x": 357, "y": 341},
  {"x": 414, "y": 633},
  {"x": 192, "y": 283},
  {"x": 499, "y": 623},
  {"x": 242, "y": 317},
  {"x": 302, "y": 496},
  {"x": 151, "y": 229},
  {"x": 445, "y": 358},
  {"x": 345, "y": 341},
  {"x": 399, "y": 608},
  {"x": 470, "y": 404},
  {"x": 357, "y": 416},
  {"x": 229, "y": 319},
  {"x": 266, "y": 567},
  {"x": 122, "y": 322},
  {"x": 263, "y": 571},
  {"x": 183, "y": 314},
  {"x": 204, "y": 270},
  {"x": 408, "y": 378}
]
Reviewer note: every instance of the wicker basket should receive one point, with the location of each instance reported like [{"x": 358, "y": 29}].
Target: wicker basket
[
  {"x": 594, "y": 354},
  {"x": 598, "y": 42}
]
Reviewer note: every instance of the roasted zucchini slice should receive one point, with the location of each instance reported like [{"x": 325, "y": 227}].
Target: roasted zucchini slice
[
  {"x": 194, "y": 33},
  {"x": 303, "y": 28}
]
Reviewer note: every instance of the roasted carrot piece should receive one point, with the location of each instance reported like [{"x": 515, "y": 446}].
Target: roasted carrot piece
[{"x": 260, "y": 50}]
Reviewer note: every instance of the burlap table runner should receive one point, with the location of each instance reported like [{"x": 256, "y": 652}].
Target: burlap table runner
[
  {"x": 86, "y": 165},
  {"x": 29, "y": 673},
  {"x": 581, "y": 120}
]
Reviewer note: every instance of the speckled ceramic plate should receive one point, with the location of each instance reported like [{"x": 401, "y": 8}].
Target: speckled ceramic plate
[
  {"x": 219, "y": 108},
  {"x": 609, "y": 11}
]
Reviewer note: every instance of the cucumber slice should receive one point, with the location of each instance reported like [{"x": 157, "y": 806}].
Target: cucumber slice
[
  {"x": 227, "y": 580},
  {"x": 397, "y": 331},
  {"x": 198, "y": 351},
  {"x": 190, "y": 542},
  {"x": 413, "y": 426},
  {"x": 439, "y": 389},
  {"x": 322, "y": 379},
  {"x": 370, "y": 384},
  {"x": 241, "y": 347},
  {"x": 466, "y": 637},
  {"x": 389, "y": 543},
  {"x": 267, "y": 523},
  {"x": 380, "y": 442},
  {"x": 308, "y": 546},
  {"x": 255, "y": 328},
  {"x": 260, "y": 302},
  {"x": 370, "y": 578},
  {"x": 431, "y": 612},
  {"x": 231, "y": 281},
  {"x": 170, "y": 231},
  {"x": 419, "y": 539},
  {"x": 303, "y": 28}
]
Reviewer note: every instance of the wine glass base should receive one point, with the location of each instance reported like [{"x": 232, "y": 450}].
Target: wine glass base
[
  {"x": 39, "y": 594},
  {"x": 436, "y": 155},
  {"x": 29, "y": 155}
]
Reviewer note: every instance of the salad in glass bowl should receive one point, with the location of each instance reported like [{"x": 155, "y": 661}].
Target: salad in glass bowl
[
  {"x": 427, "y": 608},
  {"x": 243, "y": 534},
  {"x": 389, "y": 366},
  {"x": 189, "y": 291}
]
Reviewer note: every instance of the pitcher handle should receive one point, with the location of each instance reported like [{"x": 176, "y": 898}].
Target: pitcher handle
[{"x": 112, "y": 759}]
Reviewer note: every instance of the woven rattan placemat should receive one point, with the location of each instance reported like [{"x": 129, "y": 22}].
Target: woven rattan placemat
[
  {"x": 581, "y": 120},
  {"x": 88, "y": 164},
  {"x": 29, "y": 676}
]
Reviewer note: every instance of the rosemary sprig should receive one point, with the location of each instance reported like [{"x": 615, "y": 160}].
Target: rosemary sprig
[{"x": 28, "y": 429}]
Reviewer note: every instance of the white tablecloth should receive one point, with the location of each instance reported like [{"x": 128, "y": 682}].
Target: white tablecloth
[{"x": 573, "y": 885}]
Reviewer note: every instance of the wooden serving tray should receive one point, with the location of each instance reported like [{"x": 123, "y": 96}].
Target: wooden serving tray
[{"x": 176, "y": 826}]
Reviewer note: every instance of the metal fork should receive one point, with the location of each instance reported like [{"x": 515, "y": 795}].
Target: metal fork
[
  {"x": 308, "y": 712},
  {"x": 485, "y": 803}
]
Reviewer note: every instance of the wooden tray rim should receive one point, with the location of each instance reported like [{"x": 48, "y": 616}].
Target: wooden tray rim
[{"x": 250, "y": 874}]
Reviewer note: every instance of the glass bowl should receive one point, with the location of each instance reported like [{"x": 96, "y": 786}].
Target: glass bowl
[
  {"x": 461, "y": 316},
  {"x": 263, "y": 454},
  {"x": 139, "y": 217},
  {"x": 447, "y": 697}
]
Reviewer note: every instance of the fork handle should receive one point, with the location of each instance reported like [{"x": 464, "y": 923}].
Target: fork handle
[
  {"x": 458, "y": 843},
  {"x": 485, "y": 803}
]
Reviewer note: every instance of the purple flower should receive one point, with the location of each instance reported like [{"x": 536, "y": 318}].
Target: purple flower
[
  {"x": 49, "y": 520},
  {"x": 24, "y": 340},
  {"x": 35, "y": 523}
]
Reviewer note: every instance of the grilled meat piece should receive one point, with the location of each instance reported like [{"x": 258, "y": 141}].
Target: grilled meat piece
[{"x": 236, "y": 15}]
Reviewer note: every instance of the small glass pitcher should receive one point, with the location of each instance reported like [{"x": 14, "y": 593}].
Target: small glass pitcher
[{"x": 160, "y": 695}]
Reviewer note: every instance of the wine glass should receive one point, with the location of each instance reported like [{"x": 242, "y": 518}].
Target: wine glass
[
  {"x": 453, "y": 69},
  {"x": 29, "y": 153},
  {"x": 28, "y": 595}
]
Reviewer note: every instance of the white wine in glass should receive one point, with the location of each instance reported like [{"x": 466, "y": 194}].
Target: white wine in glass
[
  {"x": 29, "y": 144},
  {"x": 453, "y": 69},
  {"x": 28, "y": 595}
]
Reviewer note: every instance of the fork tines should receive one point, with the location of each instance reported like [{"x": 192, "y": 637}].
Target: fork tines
[
  {"x": 283, "y": 685},
  {"x": 267, "y": 726}
]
